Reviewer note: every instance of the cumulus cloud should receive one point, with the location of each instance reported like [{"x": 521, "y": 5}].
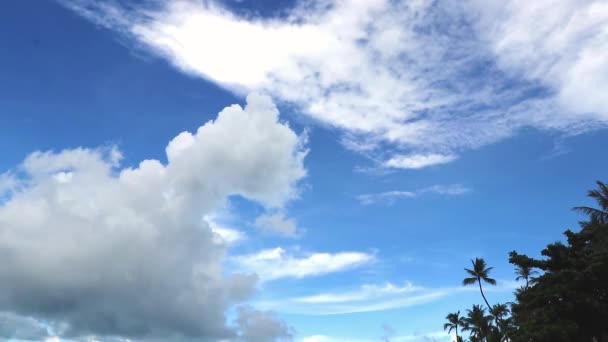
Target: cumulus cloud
[
  {"x": 418, "y": 80},
  {"x": 15, "y": 327},
  {"x": 271, "y": 264},
  {"x": 262, "y": 326},
  {"x": 277, "y": 224},
  {"x": 224, "y": 235},
  {"x": 99, "y": 249},
  {"x": 389, "y": 197}
]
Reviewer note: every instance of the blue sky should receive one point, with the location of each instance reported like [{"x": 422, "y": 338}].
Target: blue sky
[{"x": 412, "y": 137}]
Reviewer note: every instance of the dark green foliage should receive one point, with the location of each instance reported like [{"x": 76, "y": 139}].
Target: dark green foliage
[{"x": 569, "y": 301}]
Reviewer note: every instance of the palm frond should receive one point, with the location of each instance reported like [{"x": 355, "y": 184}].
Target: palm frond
[
  {"x": 469, "y": 281},
  {"x": 490, "y": 281},
  {"x": 594, "y": 214},
  {"x": 471, "y": 272}
]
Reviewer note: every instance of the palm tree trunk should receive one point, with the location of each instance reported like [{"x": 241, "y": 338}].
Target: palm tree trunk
[
  {"x": 484, "y": 296},
  {"x": 456, "y": 332}
]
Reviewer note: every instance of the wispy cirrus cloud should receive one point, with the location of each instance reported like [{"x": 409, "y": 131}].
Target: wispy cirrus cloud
[
  {"x": 367, "y": 298},
  {"x": 370, "y": 298},
  {"x": 389, "y": 197},
  {"x": 271, "y": 264},
  {"x": 417, "y": 82},
  {"x": 438, "y": 336}
]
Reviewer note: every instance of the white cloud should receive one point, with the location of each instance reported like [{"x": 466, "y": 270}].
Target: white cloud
[
  {"x": 277, "y": 263},
  {"x": 387, "y": 196},
  {"x": 325, "y": 338},
  {"x": 227, "y": 236},
  {"x": 370, "y": 298},
  {"x": 261, "y": 326},
  {"x": 390, "y": 197},
  {"x": 425, "y": 79},
  {"x": 222, "y": 234},
  {"x": 7, "y": 183},
  {"x": 367, "y": 298},
  {"x": 277, "y": 224},
  {"x": 439, "y": 336},
  {"x": 451, "y": 189},
  {"x": 366, "y": 292},
  {"x": 564, "y": 47},
  {"x": 418, "y": 161},
  {"x": 102, "y": 248}
]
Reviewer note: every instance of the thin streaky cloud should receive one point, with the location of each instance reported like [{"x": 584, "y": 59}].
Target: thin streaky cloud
[
  {"x": 277, "y": 263},
  {"x": 389, "y": 197},
  {"x": 371, "y": 298}
]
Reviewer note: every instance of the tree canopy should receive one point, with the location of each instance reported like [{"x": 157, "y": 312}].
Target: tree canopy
[{"x": 565, "y": 295}]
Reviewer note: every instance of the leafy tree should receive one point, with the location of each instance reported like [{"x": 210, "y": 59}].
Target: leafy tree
[
  {"x": 479, "y": 273},
  {"x": 569, "y": 301},
  {"x": 454, "y": 321}
]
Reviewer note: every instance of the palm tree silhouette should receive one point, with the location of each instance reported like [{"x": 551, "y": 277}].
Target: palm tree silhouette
[
  {"x": 478, "y": 323},
  {"x": 525, "y": 272},
  {"x": 500, "y": 312},
  {"x": 454, "y": 321},
  {"x": 479, "y": 272},
  {"x": 601, "y": 197}
]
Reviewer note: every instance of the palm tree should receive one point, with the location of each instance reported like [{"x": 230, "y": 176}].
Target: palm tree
[
  {"x": 601, "y": 197},
  {"x": 499, "y": 312},
  {"x": 525, "y": 272},
  {"x": 479, "y": 272},
  {"x": 478, "y": 323},
  {"x": 454, "y": 321}
]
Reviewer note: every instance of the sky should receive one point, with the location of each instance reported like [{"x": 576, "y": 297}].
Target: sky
[{"x": 317, "y": 171}]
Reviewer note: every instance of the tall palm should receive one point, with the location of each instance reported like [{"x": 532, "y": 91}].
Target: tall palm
[
  {"x": 479, "y": 273},
  {"x": 525, "y": 272},
  {"x": 601, "y": 197},
  {"x": 454, "y": 321},
  {"x": 478, "y": 323}
]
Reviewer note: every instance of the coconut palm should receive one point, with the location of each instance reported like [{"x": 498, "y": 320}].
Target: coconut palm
[
  {"x": 478, "y": 323},
  {"x": 525, "y": 272},
  {"x": 479, "y": 273},
  {"x": 454, "y": 321},
  {"x": 601, "y": 197},
  {"x": 499, "y": 312}
]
